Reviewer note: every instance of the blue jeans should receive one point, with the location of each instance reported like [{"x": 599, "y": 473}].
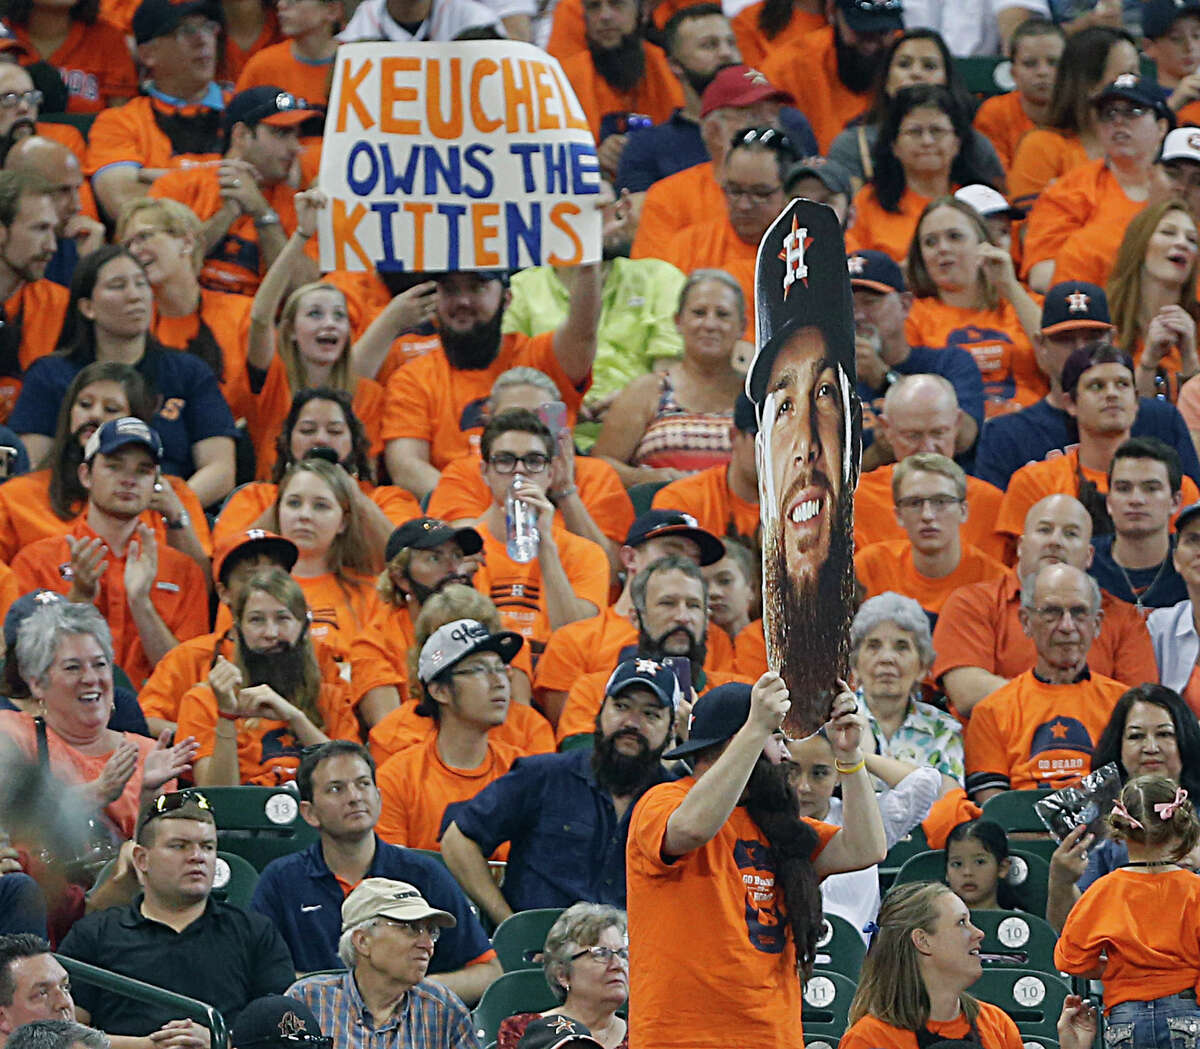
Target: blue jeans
[{"x": 1164, "y": 1023}]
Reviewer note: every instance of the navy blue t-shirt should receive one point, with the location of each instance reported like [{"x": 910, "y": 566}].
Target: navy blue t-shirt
[
  {"x": 1011, "y": 441},
  {"x": 1158, "y": 587},
  {"x": 190, "y": 405}
]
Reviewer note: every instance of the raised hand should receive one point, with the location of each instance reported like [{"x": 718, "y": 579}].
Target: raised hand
[{"x": 88, "y": 566}]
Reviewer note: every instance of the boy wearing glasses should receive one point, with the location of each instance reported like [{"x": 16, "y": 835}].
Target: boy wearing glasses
[
  {"x": 384, "y": 1001},
  {"x": 175, "y": 936},
  {"x": 929, "y": 492},
  {"x": 568, "y": 579}
]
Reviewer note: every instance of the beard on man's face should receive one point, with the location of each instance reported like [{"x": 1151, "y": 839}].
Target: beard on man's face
[
  {"x": 281, "y": 668},
  {"x": 699, "y": 82},
  {"x": 807, "y": 622},
  {"x": 623, "y": 774},
  {"x": 769, "y": 788},
  {"x": 476, "y": 348},
  {"x": 655, "y": 647},
  {"x": 423, "y": 593},
  {"x": 855, "y": 69},
  {"x": 623, "y": 66}
]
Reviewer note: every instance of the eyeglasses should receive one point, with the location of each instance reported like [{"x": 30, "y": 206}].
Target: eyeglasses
[
  {"x": 189, "y": 31},
  {"x": 12, "y": 99},
  {"x": 482, "y": 670},
  {"x": 604, "y": 955},
  {"x": 414, "y": 929},
  {"x": 1111, "y": 114},
  {"x": 136, "y": 240},
  {"x": 755, "y": 194},
  {"x": 934, "y": 134},
  {"x": 1051, "y": 614},
  {"x": 507, "y": 463},
  {"x": 939, "y": 504}
]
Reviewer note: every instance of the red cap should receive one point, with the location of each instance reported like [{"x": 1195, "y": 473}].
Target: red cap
[{"x": 736, "y": 86}]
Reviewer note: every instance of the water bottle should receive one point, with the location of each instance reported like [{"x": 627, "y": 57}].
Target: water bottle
[{"x": 520, "y": 525}]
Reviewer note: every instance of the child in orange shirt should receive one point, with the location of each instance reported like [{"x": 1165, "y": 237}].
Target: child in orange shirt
[{"x": 1136, "y": 929}]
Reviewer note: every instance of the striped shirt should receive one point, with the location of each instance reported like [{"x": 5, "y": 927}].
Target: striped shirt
[{"x": 429, "y": 1017}]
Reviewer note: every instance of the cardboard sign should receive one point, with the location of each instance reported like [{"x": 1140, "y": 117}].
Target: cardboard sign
[
  {"x": 803, "y": 384},
  {"x": 458, "y": 156}
]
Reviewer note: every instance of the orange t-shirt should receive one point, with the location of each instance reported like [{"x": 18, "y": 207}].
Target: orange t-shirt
[
  {"x": 94, "y": 62},
  {"x": 524, "y": 730},
  {"x": 889, "y": 566},
  {"x": 130, "y": 135},
  {"x": 416, "y": 785},
  {"x": 755, "y": 45},
  {"x": 1042, "y": 156},
  {"x": 722, "y": 894},
  {"x": 234, "y": 264},
  {"x": 71, "y": 767},
  {"x": 1089, "y": 193},
  {"x": 1121, "y": 916},
  {"x": 339, "y": 614},
  {"x": 268, "y": 752},
  {"x": 1004, "y": 121},
  {"x": 995, "y": 338},
  {"x": 1032, "y": 734},
  {"x": 996, "y": 1031},
  {"x": 10, "y": 590},
  {"x": 462, "y": 494},
  {"x": 601, "y": 642},
  {"x": 875, "y": 229},
  {"x": 980, "y": 626},
  {"x": 278, "y": 66},
  {"x": 750, "y": 650},
  {"x": 179, "y": 592},
  {"x": 657, "y": 95},
  {"x": 227, "y": 317},
  {"x": 875, "y": 513},
  {"x": 235, "y": 57},
  {"x": 713, "y": 244},
  {"x": 249, "y": 502},
  {"x": 428, "y": 400},
  {"x": 707, "y": 497},
  {"x": 1035, "y": 481},
  {"x": 516, "y": 589},
  {"x": 586, "y": 697},
  {"x": 41, "y": 307},
  {"x": 568, "y": 33},
  {"x": 807, "y": 70},
  {"x": 27, "y": 516},
  {"x": 673, "y": 204}
]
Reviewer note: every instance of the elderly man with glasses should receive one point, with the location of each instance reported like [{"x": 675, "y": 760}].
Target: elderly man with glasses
[
  {"x": 175, "y": 936},
  {"x": 384, "y": 1000}
]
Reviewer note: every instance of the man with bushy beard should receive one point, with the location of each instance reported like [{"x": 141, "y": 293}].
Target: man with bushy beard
[
  {"x": 832, "y": 72},
  {"x": 257, "y": 712},
  {"x": 619, "y": 76},
  {"x": 723, "y": 876},
  {"x": 566, "y": 815},
  {"x": 670, "y": 601},
  {"x": 433, "y": 410}
]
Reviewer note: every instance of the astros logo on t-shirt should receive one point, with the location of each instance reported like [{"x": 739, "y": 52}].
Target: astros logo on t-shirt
[{"x": 763, "y": 921}]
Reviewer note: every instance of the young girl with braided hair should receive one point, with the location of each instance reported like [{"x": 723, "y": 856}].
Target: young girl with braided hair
[{"x": 1138, "y": 928}]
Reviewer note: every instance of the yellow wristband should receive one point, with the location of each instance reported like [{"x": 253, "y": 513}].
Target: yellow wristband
[{"x": 851, "y": 770}]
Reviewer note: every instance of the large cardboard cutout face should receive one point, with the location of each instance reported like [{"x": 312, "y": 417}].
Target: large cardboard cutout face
[{"x": 802, "y": 382}]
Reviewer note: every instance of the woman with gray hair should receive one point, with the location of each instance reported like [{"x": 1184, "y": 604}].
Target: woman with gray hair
[
  {"x": 586, "y": 959},
  {"x": 65, "y": 655},
  {"x": 891, "y": 650},
  {"x": 667, "y": 424}
]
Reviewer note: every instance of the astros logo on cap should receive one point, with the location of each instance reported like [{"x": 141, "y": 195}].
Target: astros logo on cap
[{"x": 1077, "y": 302}]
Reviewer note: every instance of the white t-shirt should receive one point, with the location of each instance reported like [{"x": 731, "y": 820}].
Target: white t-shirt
[
  {"x": 447, "y": 18},
  {"x": 969, "y": 27}
]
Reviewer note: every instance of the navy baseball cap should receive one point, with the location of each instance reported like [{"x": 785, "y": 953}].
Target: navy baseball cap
[
  {"x": 1086, "y": 357},
  {"x": 716, "y": 717},
  {"x": 1158, "y": 16},
  {"x": 424, "y": 533},
  {"x": 1188, "y": 513},
  {"x": 117, "y": 433},
  {"x": 875, "y": 271},
  {"x": 553, "y": 1031},
  {"x": 1075, "y": 304},
  {"x": 873, "y": 16},
  {"x": 155, "y": 18},
  {"x": 649, "y": 673},
  {"x": 277, "y": 1022},
  {"x": 1141, "y": 91},
  {"x": 745, "y": 418},
  {"x": 25, "y": 605},
  {"x": 832, "y": 175},
  {"x": 267, "y": 104},
  {"x": 654, "y": 523}
]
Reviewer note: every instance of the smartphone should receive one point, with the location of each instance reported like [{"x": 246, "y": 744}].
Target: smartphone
[
  {"x": 8, "y": 460},
  {"x": 554, "y": 415},
  {"x": 681, "y": 667}
]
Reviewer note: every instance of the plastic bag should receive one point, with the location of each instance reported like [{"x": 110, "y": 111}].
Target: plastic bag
[{"x": 1089, "y": 803}]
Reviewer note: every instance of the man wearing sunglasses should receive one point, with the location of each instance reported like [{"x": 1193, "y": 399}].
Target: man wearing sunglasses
[
  {"x": 568, "y": 579},
  {"x": 175, "y": 936},
  {"x": 247, "y": 201}
]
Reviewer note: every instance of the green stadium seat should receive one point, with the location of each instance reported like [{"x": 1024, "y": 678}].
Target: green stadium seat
[
  {"x": 579, "y": 741},
  {"x": 1016, "y": 940},
  {"x": 1029, "y": 875},
  {"x": 522, "y": 935},
  {"x": 985, "y": 74},
  {"x": 233, "y": 880},
  {"x": 1014, "y": 811},
  {"x": 642, "y": 495},
  {"x": 258, "y": 823},
  {"x": 1033, "y": 1000},
  {"x": 826, "y": 1009},
  {"x": 523, "y": 991},
  {"x": 840, "y": 947},
  {"x": 907, "y": 846}
]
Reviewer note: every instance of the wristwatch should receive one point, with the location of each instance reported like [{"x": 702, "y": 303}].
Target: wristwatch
[
  {"x": 179, "y": 525},
  {"x": 267, "y": 218}
]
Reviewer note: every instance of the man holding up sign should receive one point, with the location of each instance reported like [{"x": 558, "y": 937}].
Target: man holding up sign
[{"x": 465, "y": 163}]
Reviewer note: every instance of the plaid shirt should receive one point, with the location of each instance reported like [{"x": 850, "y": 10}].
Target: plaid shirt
[{"x": 429, "y": 1017}]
